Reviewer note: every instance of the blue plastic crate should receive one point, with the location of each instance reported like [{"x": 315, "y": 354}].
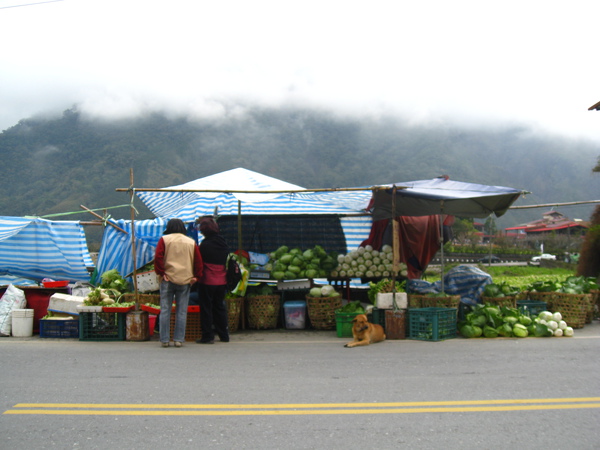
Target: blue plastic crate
[
  {"x": 59, "y": 328},
  {"x": 432, "y": 324}
]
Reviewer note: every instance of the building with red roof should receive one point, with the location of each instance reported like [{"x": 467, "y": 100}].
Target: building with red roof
[{"x": 551, "y": 222}]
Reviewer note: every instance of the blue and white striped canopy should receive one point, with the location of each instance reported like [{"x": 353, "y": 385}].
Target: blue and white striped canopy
[
  {"x": 215, "y": 192},
  {"x": 39, "y": 248},
  {"x": 348, "y": 205}
]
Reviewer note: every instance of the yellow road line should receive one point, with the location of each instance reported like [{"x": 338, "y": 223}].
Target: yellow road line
[
  {"x": 112, "y": 409},
  {"x": 307, "y": 405},
  {"x": 288, "y": 412}
]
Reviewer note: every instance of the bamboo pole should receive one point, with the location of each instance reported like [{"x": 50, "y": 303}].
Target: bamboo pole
[
  {"x": 100, "y": 217},
  {"x": 395, "y": 249},
  {"x": 133, "y": 252},
  {"x": 239, "y": 223},
  {"x": 287, "y": 191},
  {"x": 548, "y": 205}
]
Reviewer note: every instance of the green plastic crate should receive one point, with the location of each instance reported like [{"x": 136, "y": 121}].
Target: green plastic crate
[
  {"x": 432, "y": 324},
  {"x": 101, "y": 326},
  {"x": 377, "y": 316},
  {"x": 343, "y": 324},
  {"x": 531, "y": 307}
]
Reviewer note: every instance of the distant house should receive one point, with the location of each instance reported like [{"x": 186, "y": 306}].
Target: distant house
[{"x": 551, "y": 222}]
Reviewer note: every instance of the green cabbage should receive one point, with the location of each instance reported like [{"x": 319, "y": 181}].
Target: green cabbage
[
  {"x": 505, "y": 330},
  {"x": 490, "y": 332},
  {"x": 315, "y": 292},
  {"x": 520, "y": 330}
]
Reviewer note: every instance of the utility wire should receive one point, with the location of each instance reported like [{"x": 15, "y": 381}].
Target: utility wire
[{"x": 30, "y": 4}]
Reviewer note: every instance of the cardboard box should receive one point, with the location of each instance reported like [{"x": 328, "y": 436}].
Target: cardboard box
[
  {"x": 65, "y": 303},
  {"x": 385, "y": 301}
]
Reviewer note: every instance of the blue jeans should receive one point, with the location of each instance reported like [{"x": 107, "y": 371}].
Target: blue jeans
[{"x": 181, "y": 294}]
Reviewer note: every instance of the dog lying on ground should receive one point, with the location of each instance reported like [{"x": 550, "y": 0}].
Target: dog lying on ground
[{"x": 365, "y": 333}]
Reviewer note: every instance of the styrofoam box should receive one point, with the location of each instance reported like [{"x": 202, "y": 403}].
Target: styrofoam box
[
  {"x": 147, "y": 282},
  {"x": 65, "y": 303},
  {"x": 301, "y": 283},
  {"x": 385, "y": 301}
]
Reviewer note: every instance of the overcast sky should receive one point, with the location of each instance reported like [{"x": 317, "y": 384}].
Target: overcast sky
[{"x": 474, "y": 62}]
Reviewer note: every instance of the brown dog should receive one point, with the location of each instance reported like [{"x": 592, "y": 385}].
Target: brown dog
[{"x": 365, "y": 333}]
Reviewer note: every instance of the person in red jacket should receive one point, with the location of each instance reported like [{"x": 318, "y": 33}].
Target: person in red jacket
[
  {"x": 179, "y": 265},
  {"x": 212, "y": 285}
]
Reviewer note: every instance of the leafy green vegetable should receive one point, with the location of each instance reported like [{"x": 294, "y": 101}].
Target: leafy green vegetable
[
  {"x": 520, "y": 330},
  {"x": 383, "y": 286},
  {"x": 352, "y": 307},
  {"x": 490, "y": 332}
]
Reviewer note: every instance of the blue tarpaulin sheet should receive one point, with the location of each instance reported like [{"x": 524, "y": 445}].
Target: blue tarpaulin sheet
[{"x": 466, "y": 281}]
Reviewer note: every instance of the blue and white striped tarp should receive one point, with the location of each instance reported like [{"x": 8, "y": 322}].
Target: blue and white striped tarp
[
  {"x": 38, "y": 248},
  {"x": 187, "y": 206},
  {"x": 116, "y": 252},
  {"x": 349, "y": 206}
]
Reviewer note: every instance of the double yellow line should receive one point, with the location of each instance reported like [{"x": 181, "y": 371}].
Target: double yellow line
[{"x": 116, "y": 409}]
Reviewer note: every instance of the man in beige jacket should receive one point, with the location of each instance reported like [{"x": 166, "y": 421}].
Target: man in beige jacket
[{"x": 178, "y": 263}]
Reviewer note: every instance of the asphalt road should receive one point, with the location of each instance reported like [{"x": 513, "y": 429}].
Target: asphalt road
[{"x": 302, "y": 390}]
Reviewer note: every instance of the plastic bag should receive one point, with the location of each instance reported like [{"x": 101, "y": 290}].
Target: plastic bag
[
  {"x": 13, "y": 298},
  {"x": 81, "y": 289},
  {"x": 241, "y": 287}
]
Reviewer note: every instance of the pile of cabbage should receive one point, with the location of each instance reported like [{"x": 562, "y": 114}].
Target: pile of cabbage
[
  {"x": 491, "y": 321},
  {"x": 286, "y": 264},
  {"x": 323, "y": 291},
  {"x": 365, "y": 262}
]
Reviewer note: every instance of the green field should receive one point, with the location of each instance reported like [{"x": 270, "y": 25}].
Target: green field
[{"x": 520, "y": 276}]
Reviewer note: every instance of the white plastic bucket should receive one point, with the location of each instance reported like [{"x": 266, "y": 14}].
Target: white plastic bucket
[{"x": 22, "y": 322}]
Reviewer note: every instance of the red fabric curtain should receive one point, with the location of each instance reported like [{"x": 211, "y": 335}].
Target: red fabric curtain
[{"x": 419, "y": 238}]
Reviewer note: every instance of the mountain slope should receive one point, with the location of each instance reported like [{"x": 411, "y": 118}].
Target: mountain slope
[{"x": 55, "y": 165}]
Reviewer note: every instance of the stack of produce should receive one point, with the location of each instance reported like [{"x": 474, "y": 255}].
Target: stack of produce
[
  {"x": 500, "y": 294},
  {"x": 491, "y": 321},
  {"x": 365, "y": 262},
  {"x": 384, "y": 286},
  {"x": 354, "y": 307},
  {"x": 110, "y": 290},
  {"x": 321, "y": 303},
  {"x": 286, "y": 264}
]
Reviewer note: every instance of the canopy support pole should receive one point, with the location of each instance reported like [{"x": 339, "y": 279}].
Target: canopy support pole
[
  {"x": 442, "y": 243},
  {"x": 133, "y": 252},
  {"x": 239, "y": 223},
  {"x": 395, "y": 249}
]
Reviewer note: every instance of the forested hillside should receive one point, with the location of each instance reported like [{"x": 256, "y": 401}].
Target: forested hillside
[{"x": 53, "y": 165}]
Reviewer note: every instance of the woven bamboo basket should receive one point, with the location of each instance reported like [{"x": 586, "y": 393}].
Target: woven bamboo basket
[
  {"x": 143, "y": 299},
  {"x": 523, "y": 295},
  {"x": 234, "y": 309},
  {"x": 321, "y": 311},
  {"x": 263, "y": 311},
  {"x": 415, "y": 300},
  {"x": 547, "y": 297},
  {"x": 510, "y": 301},
  {"x": 450, "y": 301},
  {"x": 595, "y": 303},
  {"x": 573, "y": 308},
  {"x": 589, "y": 313}
]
